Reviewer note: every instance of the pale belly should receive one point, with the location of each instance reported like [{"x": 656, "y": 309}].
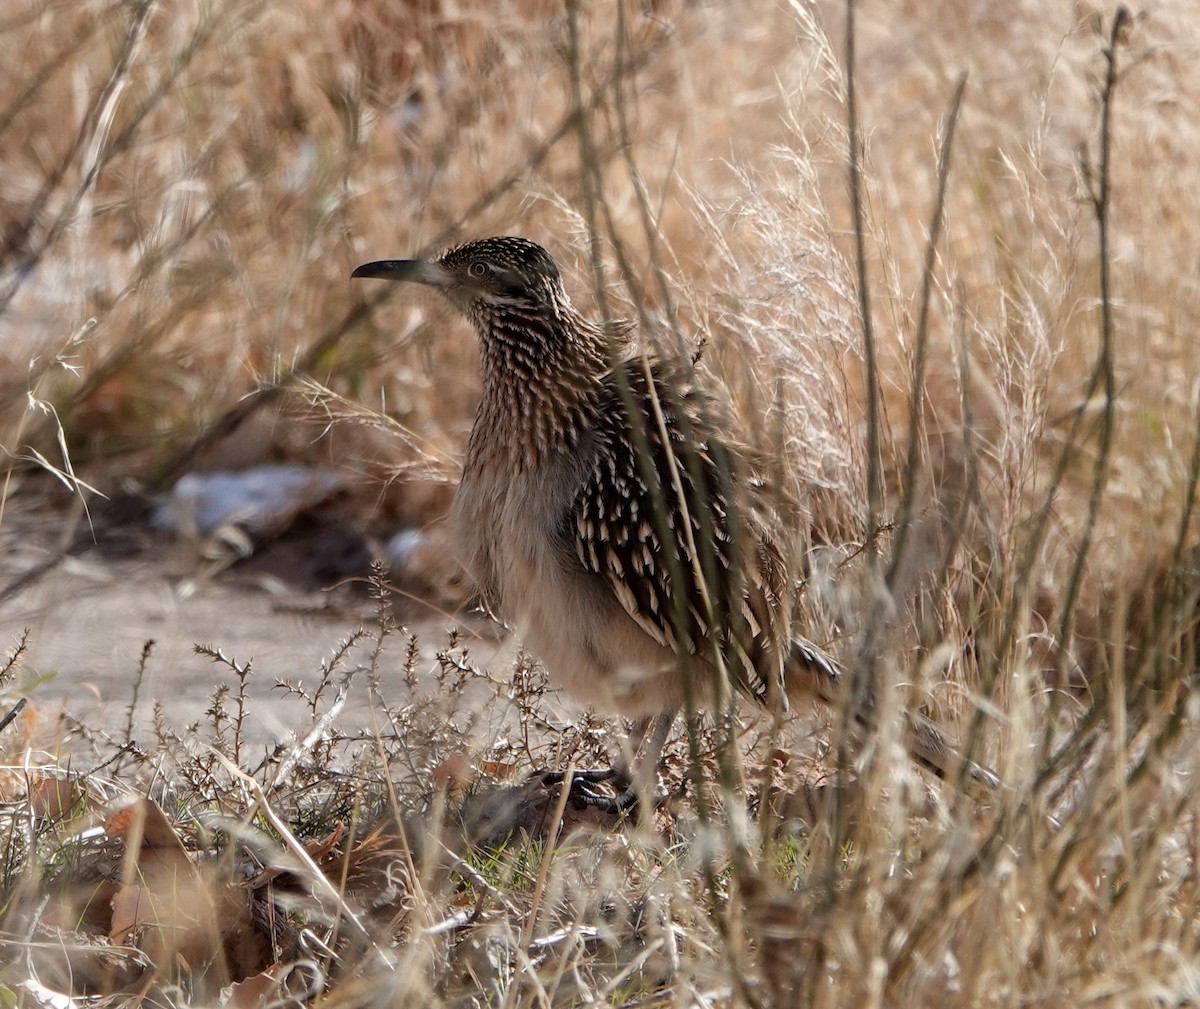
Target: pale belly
[
  {"x": 590, "y": 646},
  {"x": 567, "y": 618}
]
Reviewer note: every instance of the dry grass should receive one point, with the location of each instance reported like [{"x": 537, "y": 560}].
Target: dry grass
[{"x": 186, "y": 190}]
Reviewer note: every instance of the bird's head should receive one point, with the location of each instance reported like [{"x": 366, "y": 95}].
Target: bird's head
[{"x": 485, "y": 279}]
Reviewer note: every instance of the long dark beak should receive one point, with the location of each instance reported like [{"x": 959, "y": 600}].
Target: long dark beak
[{"x": 416, "y": 271}]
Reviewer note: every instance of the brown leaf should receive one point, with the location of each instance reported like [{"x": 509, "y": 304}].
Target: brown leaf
[
  {"x": 54, "y": 798},
  {"x": 319, "y": 849},
  {"x": 255, "y": 991},
  {"x": 455, "y": 771},
  {"x": 141, "y": 823},
  {"x": 316, "y": 848},
  {"x": 78, "y": 961},
  {"x": 131, "y": 908},
  {"x": 499, "y": 769}
]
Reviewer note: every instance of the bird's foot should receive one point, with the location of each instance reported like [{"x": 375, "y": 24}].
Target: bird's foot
[{"x": 585, "y": 795}]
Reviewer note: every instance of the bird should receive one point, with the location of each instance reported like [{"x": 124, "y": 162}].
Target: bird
[{"x": 608, "y": 514}]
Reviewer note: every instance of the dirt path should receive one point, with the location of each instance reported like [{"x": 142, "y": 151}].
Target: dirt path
[{"x": 89, "y": 618}]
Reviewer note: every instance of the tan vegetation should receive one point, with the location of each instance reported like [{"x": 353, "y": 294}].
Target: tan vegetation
[{"x": 186, "y": 189}]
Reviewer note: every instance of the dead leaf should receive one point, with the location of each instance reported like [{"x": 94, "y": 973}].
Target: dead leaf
[
  {"x": 316, "y": 849},
  {"x": 455, "y": 771},
  {"x": 140, "y": 823},
  {"x": 319, "y": 849},
  {"x": 132, "y": 907},
  {"x": 499, "y": 769},
  {"x": 165, "y": 906},
  {"x": 54, "y": 798},
  {"x": 255, "y": 991}
]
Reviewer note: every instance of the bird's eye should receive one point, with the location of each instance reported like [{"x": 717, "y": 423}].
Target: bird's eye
[{"x": 478, "y": 270}]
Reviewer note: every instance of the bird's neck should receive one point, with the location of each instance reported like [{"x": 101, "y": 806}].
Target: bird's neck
[{"x": 541, "y": 379}]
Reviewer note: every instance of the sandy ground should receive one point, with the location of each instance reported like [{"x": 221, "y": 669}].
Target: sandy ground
[{"x": 90, "y": 616}]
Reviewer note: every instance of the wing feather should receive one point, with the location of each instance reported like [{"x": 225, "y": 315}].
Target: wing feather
[{"x": 649, "y": 499}]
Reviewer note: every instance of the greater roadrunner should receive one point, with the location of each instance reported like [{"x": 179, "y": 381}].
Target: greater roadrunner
[{"x": 607, "y": 515}]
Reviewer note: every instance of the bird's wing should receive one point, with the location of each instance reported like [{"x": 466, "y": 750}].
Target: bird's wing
[{"x": 656, "y": 521}]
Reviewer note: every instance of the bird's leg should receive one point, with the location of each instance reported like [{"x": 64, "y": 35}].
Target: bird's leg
[{"x": 644, "y": 747}]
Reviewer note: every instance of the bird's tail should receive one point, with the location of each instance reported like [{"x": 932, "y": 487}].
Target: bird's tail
[{"x": 813, "y": 674}]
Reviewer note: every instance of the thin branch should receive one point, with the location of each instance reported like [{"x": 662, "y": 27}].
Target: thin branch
[
  {"x": 874, "y": 456},
  {"x": 1105, "y": 366},
  {"x": 13, "y": 712},
  {"x": 916, "y": 394},
  {"x": 861, "y": 685}
]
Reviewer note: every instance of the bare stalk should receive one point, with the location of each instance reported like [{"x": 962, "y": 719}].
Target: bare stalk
[
  {"x": 1105, "y": 368},
  {"x": 874, "y": 457},
  {"x": 916, "y": 393},
  {"x": 861, "y": 685}
]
